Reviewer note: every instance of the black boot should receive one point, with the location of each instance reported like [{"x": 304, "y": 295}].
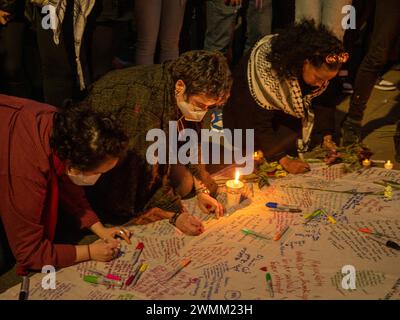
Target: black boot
[{"x": 351, "y": 131}]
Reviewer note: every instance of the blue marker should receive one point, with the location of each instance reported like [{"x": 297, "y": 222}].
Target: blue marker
[{"x": 276, "y": 207}]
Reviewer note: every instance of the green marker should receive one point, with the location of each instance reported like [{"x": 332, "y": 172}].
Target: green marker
[
  {"x": 102, "y": 280},
  {"x": 247, "y": 232},
  {"x": 269, "y": 284},
  {"x": 312, "y": 215}
]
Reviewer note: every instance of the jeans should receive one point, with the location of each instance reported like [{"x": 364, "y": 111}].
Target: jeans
[
  {"x": 385, "y": 32},
  {"x": 221, "y": 19},
  {"x": 327, "y": 12},
  {"x": 158, "y": 19}
]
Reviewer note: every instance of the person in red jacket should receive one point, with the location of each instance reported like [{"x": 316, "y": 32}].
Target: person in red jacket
[{"x": 45, "y": 157}]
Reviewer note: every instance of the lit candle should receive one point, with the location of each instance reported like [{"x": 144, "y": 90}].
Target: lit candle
[
  {"x": 257, "y": 155},
  {"x": 366, "y": 163},
  {"x": 234, "y": 190},
  {"x": 237, "y": 176},
  {"x": 388, "y": 165}
]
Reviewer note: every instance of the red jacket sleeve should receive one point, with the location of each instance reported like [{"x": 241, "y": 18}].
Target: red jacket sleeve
[
  {"x": 72, "y": 198},
  {"x": 22, "y": 212}
]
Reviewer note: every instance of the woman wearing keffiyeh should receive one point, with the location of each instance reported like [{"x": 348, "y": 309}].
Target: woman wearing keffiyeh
[{"x": 273, "y": 88}]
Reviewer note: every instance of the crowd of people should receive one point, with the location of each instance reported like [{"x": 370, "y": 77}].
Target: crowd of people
[{"x": 73, "y": 139}]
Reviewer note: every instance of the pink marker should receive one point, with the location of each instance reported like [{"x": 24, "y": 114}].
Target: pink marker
[{"x": 113, "y": 277}]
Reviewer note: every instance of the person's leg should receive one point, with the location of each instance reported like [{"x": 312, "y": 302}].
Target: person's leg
[
  {"x": 57, "y": 70},
  {"x": 170, "y": 28},
  {"x": 283, "y": 13},
  {"x": 148, "y": 16},
  {"x": 308, "y": 9},
  {"x": 386, "y": 29},
  {"x": 102, "y": 49},
  {"x": 12, "y": 36},
  {"x": 332, "y": 16},
  {"x": 220, "y": 24},
  {"x": 259, "y": 22}
]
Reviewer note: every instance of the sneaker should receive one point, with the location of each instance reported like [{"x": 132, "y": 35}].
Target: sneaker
[
  {"x": 347, "y": 87},
  {"x": 351, "y": 132},
  {"x": 385, "y": 85}
]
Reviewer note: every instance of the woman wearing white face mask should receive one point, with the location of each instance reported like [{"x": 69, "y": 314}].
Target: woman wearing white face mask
[
  {"x": 149, "y": 97},
  {"x": 45, "y": 156}
]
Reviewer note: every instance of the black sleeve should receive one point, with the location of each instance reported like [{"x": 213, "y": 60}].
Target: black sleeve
[
  {"x": 324, "y": 121},
  {"x": 271, "y": 142},
  {"x": 325, "y": 106}
]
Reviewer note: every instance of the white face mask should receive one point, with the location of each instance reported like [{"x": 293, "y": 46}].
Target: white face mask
[
  {"x": 190, "y": 112},
  {"x": 82, "y": 180}
]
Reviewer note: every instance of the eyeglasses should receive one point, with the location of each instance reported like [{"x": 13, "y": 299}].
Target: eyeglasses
[{"x": 337, "y": 58}]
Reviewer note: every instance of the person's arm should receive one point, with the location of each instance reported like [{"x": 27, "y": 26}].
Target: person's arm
[
  {"x": 200, "y": 173},
  {"x": 4, "y": 17},
  {"x": 325, "y": 120},
  {"x": 72, "y": 198},
  {"x": 166, "y": 199},
  {"x": 22, "y": 214},
  {"x": 265, "y": 135}
]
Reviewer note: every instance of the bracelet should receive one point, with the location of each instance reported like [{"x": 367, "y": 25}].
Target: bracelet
[
  {"x": 173, "y": 219},
  {"x": 88, "y": 249},
  {"x": 203, "y": 190}
]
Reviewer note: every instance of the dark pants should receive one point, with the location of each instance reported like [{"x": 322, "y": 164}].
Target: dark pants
[
  {"x": 102, "y": 33},
  {"x": 58, "y": 67},
  {"x": 11, "y": 61},
  {"x": 386, "y": 30}
]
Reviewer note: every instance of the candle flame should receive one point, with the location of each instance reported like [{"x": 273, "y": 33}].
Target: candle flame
[{"x": 237, "y": 175}]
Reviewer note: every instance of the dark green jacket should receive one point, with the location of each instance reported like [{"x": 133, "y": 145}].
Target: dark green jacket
[{"x": 140, "y": 98}]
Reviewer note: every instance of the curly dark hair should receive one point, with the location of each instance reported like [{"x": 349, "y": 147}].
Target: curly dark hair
[
  {"x": 203, "y": 72},
  {"x": 301, "y": 41},
  {"x": 87, "y": 138}
]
